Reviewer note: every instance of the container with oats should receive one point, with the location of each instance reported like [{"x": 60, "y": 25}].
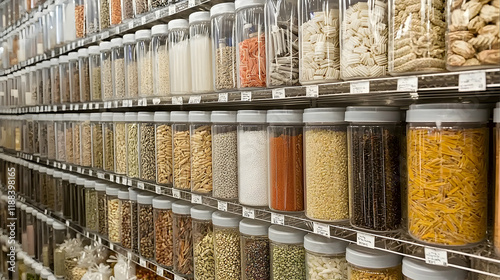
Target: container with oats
[
  {"x": 223, "y": 47},
  {"x": 118, "y": 68},
  {"x": 106, "y": 82},
  {"x": 365, "y": 263},
  {"x": 95, "y": 71}
]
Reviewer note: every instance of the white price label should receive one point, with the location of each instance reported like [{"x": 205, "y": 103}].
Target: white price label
[
  {"x": 278, "y": 93},
  {"x": 46, "y": 212},
  {"x": 79, "y": 170},
  {"x": 158, "y": 190},
  {"x": 64, "y": 166},
  {"x": 117, "y": 180},
  {"x": 84, "y": 106},
  {"x": 70, "y": 168},
  {"x": 143, "y": 20},
  {"x": 125, "y": 103},
  {"x": 159, "y": 271},
  {"x": 177, "y": 100},
  {"x": 365, "y": 240},
  {"x": 142, "y": 102},
  {"x": 91, "y": 172},
  {"x": 37, "y": 160},
  {"x": 360, "y": 87},
  {"x": 117, "y": 30},
  {"x": 64, "y": 107},
  {"x": 142, "y": 262},
  {"x": 96, "y": 105},
  {"x": 140, "y": 185},
  {"x": 158, "y": 14},
  {"x": 76, "y": 107},
  {"x": 246, "y": 96},
  {"x": 436, "y": 256},
  {"x": 129, "y": 255},
  {"x": 321, "y": 229},
  {"x": 191, "y": 3},
  {"x": 472, "y": 81},
  {"x": 87, "y": 234},
  {"x": 408, "y": 84},
  {"x": 196, "y": 199},
  {"x": 195, "y": 99},
  {"x": 100, "y": 175},
  {"x": 115, "y": 104},
  {"x": 172, "y": 9},
  {"x": 111, "y": 246},
  {"x": 248, "y": 213},
  {"x": 177, "y": 277},
  {"x": 55, "y": 164},
  {"x": 67, "y": 223},
  {"x": 277, "y": 219},
  {"x": 124, "y": 181},
  {"x": 176, "y": 193},
  {"x": 111, "y": 177},
  {"x": 222, "y": 206},
  {"x": 312, "y": 91},
  {"x": 99, "y": 239},
  {"x": 156, "y": 101},
  {"x": 129, "y": 182},
  {"x": 131, "y": 24},
  {"x": 54, "y": 108},
  {"x": 223, "y": 97}
]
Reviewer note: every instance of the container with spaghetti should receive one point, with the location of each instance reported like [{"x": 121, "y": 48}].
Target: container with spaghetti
[{"x": 447, "y": 150}]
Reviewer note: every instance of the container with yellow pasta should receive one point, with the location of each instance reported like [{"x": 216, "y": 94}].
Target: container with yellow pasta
[{"x": 447, "y": 149}]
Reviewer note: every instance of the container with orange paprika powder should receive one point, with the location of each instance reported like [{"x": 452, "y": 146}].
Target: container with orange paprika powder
[{"x": 286, "y": 190}]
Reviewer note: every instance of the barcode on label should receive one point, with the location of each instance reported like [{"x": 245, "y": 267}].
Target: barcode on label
[
  {"x": 248, "y": 213},
  {"x": 196, "y": 199},
  {"x": 176, "y": 193},
  {"x": 277, "y": 219},
  {"x": 222, "y": 206}
]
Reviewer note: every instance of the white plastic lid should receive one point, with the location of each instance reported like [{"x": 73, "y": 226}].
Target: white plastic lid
[
  {"x": 145, "y": 116},
  {"x": 52, "y": 277},
  {"x": 94, "y": 50},
  {"x": 240, "y": 4},
  {"x": 118, "y": 117},
  {"x": 199, "y": 17},
  {"x": 179, "y": 117},
  {"x": 285, "y": 116},
  {"x": 81, "y": 181},
  {"x": 89, "y": 184},
  {"x": 100, "y": 187},
  {"x": 181, "y": 207},
  {"x": 23, "y": 207},
  {"x": 132, "y": 194},
  {"x": 223, "y": 8},
  {"x": 162, "y": 202},
  {"x": 112, "y": 190},
  {"x": 178, "y": 23},
  {"x": 201, "y": 212},
  {"x": 130, "y": 117},
  {"x": 145, "y": 198},
  {"x": 73, "y": 55},
  {"x": 50, "y": 171},
  {"x": 116, "y": 42},
  {"x": 38, "y": 267},
  {"x": 324, "y": 115},
  {"x": 446, "y": 113},
  {"x": 83, "y": 52},
  {"x": 371, "y": 258},
  {"x": 223, "y": 117},
  {"x": 58, "y": 174},
  {"x": 54, "y": 61},
  {"x": 199, "y": 116},
  {"x": 43, "y": 169},
  {"x": 29, "y": 210},
  {"x": 107, "y": 117},
  {"x": 50, "y": 221},
  {"x": 104, "y": 46},
  {"x": 46, "y": 64},
  {"x": 34, "y": 212},
  {"x": 286, "y": 235},
  {"x": 72, "y": 179},
  {"x": 419, "y": 270},
  {"x": 45, "y": 274},
  {"x": 225, "y": 219},
  {"x": 128, "y": 39},
  {"x": 142, "y": 34},
  {"x": 254, "y": 227},
  {"x": 84, "y": 117},
  {"x": 66, "y": 176},
  {"x": 28, "y": 261},
  {"x": 58, "y": 226},
  {"x": 372, "y": 114},
  {"x": 322, "y": 245},
  {"x": 36, "y": 167},
  {"x": 63, "y": 59},
  {"x": 496, "y": 113},
  {"x": 161, "y": 117},
  {"x": 40, "y": 216},
  {"x": 159, "y": 29},
  {"x": 123, "y": 194}
]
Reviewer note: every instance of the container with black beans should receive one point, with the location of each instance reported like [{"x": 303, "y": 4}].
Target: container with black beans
[
  {"x": 203, "y": 242},
  {"x": 254, "y": 249},
  {"x": 146, "y": 225}
]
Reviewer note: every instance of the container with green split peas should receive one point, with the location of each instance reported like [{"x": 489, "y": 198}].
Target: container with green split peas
[
  {"x": 203, "y": 243},
  {"x": 254, "y": 249},
  {"x": 287, "y": 253},
  {"x": 418, "y": 270},
  {"x": 226, "y": 246},
  {"x": 365, "y": 263}
]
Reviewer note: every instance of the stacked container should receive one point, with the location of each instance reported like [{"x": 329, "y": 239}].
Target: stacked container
[
  {"x": 370, "y": 263},
  {"x": 125, "y": 218},
  {"x": 74, "y": 77},
  {"x": 201, "y": 52},
  {"x": 118, "y": 67},
  {"x": 179, "y": 58},
  {"x": 131, "y": 79},
  {"x": 134, "y": 242},
  {"x": 162, "y": 214},
  {"x": 120, "y": 143},
  {"x": 95, "y": 70},
  {"x": 144, "y": 61},
  {"x": 325, "y": 258},
  {"x": 132, "y": 138},
  {"x": 181, "y": 150},
  {"x": 102, "y": 209},
  {"x": 160, "y": 60},
  {"x": 97, "y": 141},
  {"x": 147, "y": 162},
  {"x": 226, "y": 245},
  {"x": 182, "y": 239},
  {"x": 254, "y": 249},
  {"x": 203, "y": 242},
  {"x": 84, "y": 76},
  {"x": 114, "y": 221},
  {"x": 163, "y": 144},
  {"x": 106, "y": 81},
  {"x": 201, "y": 151},
  {"x": 91, "y": 208},
  {"x": 146, "y": 225},
  {"x": 223, "y": 46},
  {"x": 108, "y": 141},
  {"x": 287, "y": 253}
]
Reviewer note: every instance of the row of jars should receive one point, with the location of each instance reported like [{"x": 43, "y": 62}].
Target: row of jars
[
  {"x": 26, "y": 267},
  {"x": 12, "y": 10}
]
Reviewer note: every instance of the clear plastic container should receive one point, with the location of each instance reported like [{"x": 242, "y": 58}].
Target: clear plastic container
[
  {"x": 251, "y": 43},
  {"x": 226, "y": 245},
  {"x": 51, "y": 137},
  {"x": 58, "y": 193},
  {"x": 108, "y": 141},
  {"x": 369, "y": 263},
  {"x": 47, "y": 92},
  {"x": 163, "y": 150},
  {"x": 496, "y": 230},
  {"x": 179, "y": 57},
  {"x": 80, "y": 29},
  {"x": 160, "y": 59},
  {"x": 141, "y": 7},
  {"x": 69, "y": 119},
  {"x": 104, "y": 14},
  {"x": 91, "y": 208},
  {"x": 41, "y": 221},
  {"x": 59, "y": 238},
  {"x": 437, "y": 213},
  {"x": 201, "y": 52},
  {"x": 182, "y": 239},
  {"x": 254, "y": 249},
  {"x": 134, "y": 244},
  {"x": 74, "y": 77},
  {"x": 42, "y": 136},
  {"x": 223, "y": 46},
  {"x": 95, "y": 70},
  {"x": 120, "y": 143},
  {"x": 286, "y": 190},
  {"x": 125, "y": 218},
  {"x": 203, "y": 242},
  {"x": 60, "y": 138},
  {"x": 132, "y": 138},
  {"x": 146, "y": 231},
  {"x": 102, "y": 209},
  {"x": 114, "y": 219},
  {"x": 48, "y": 245},
  {"x": 325, "y": 159},
  {"x": 106, "y": 80},
  {"x": 38, "y": 87},
  {"x": 201, "y": 152},
  {"x": 97, "y": 141},
  {"x": 84, "y": 75},
  {"x": 287, "y": 253},
  {"x": 364, "y": 53},
  {"x": 181, "y": 150},
  {"x": 65, "y": 185},
  {"x": 147, "y": 166},
  {"x": 162, "y": 214},
  {"x": 144, "y": 61},
  {"x": 118, "y": 68},
  {"x": 73, "y": 199},
  {"x": 115, "y": 12},
  {"x": 131, "y": 80},
  {"x": 49, "y": 188},
  {"x": 30, "y": 232},
  {"x": 419, "y": 270},
  {"x": 325, "y": 258},
  {"x": 59, "y": 21},
  {"x": 55, "y": 79},
  {"x": 80, "y": 202},
  {"x": 50, "y": 27},
  {"x": 225, "y": 155},
  {"x": 375, "y": 189}
]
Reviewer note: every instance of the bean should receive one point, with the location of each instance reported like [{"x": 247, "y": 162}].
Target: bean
[
  {"x": 358, "y": 273},
  {"x": 287, "y": 261},
  {"x": 182, "y": 160},
  {"x": 183, "y": 246},
  {"x": 163, "y": 237},
  {"x": 126, "y": 223},
  {"x": 201, "y": 160},
  {"x": 321, "y": 267},
  {"x": 132, "y": 150},
  {"x": 227, "y": 254},
  {"x": 96, "y": 84},
  {"x": 80, "y": 20},
  {"x": 69, "y": 144},
  {"x": 132, "y": 86},
  {"x": 146, "y": 76},
  {"x": 86, "y": 148},
  {"x": 97, "y": 147},
  {"x": 107, "y": 83},
  {"x": 148, "y": 160},
  {"x": 121, "y": 148},
  {"x": 225, "y": 165},
  {"x": 146, "y": 231},
  {"x": 102, "y": 213}
]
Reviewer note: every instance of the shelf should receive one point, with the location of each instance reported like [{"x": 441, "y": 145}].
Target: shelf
[{"x": 398, "y": 242}]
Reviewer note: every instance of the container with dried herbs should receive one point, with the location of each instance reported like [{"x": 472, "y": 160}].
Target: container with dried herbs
[
  {"x": 114, "y": 223},
  {"x": 147, "y": 166},
  {"x": 226, "y": 245},
  {"x": 254, "y": 250},
  {"x": 201, "y": 152},
  {"x": 162, "y": 214},
  {"x": 181, "y": 150},
  {"x": 203, "y": 243},
  {"x": 95, "y": 71},
  {"x": 287, "y": 253},
  {"x": 146, "y": 225},
  {"x": 125, "y": 218},
  {"x": 182, "y": 238},
  {"x": 366, "y": 263},
  {"x": 325, "y": 258},
  {"x": 97, "y": 141},
  {"x": 163, "y": 144},
  {"x": 132, "y": 137}
]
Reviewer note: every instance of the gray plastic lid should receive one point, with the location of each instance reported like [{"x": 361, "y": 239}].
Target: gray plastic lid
[
  {"x": 162, "y": 117},
  {"x": 43, "y": 169},
  {"x": 58, "y": 174},
  {"x": 123, "y": 194},
  {"x": 128, "y": 39},
  {"x": 45, "y": 274},
  {"x": 145, "y": 198},
  {"x": 371, "y": 258},
  {"x": 285, "y": 116},
  {"x": 38, "y": 267},
  {"x": 50, "y": 171},
  {"x": 223, "y": 8},
  {"x": 73, "y": 55},
  {"x": 142, "y": 34},
  {"x": 224, "y": 219},
  {"x": 29, "y": 210},
  {"x": 159, "y": 29},
  {"x": 89, "y": 184},
  {"x": 372, "y": 114},
  {"x": 254, "y": 227},
  {"x": 145, "y": 116},
  {"x": 72, "y": 179},
  {"x": 66, "y": 176},
  {"x": 178, "y": 23},
  {"x": 446, "y": 113},
  {"x": 83, "y": 52},
  {"x": 162, "y": 202},
  {"x": 107, "y": 117},
  {"x": 50, "y": 221},
  {"x": 240, "y": 4},
  {"x": 63, "y": 59},
  {"x": 118, "y": 117},
  {"x": 286, "y": 235},
  {"x": 199, "y": 116},
  {"x": 179, "y": 117},
  {"x": 80, "y": 181},
  {"x": 23, "y": 207},
  {"x": 95, "y": 117},
  {"x": 130, "y": 117},
  {"x": 100, "y": 187},
  {"x": 58, "y": 226},
  {"x": 199, "y": 17},
  {"x": 201, "y": 212},
  {"x": 324, "y": 115},
  {"x": 84, "y": 117},
  {"x": 94, "y": 50},
  {"x": 105, "y": 46},
  {"x": 112, "y": 190},
  {"x": 54, "y": 61},
  {"x": 181, "y": 207},
  {"x": 419, "y": 270},
  {"x": 132, "y": 194},
  {"x": 116, "y": 43},
  {"x": 322, "y": 245},
  {"x": 28, "y": 261},
  {"x": 223, "y": 117}
]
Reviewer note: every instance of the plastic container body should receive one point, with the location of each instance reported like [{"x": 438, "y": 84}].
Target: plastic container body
[
  {"x": 74, "y": 80},
  {"x": 127, "y": 9},
  {"x": 91, "y": 210},
  {"x": 227, "y": 252},
  {"x": 201, "y": 157},
  {"x": 118, "y": 71},
  {"x": 287, "y": 261},
  {"x": 84, "y": 78},
  {"x": 147, "y": 151},
  {"x": 359, "y": 273},
  {"x": 496, "y": 232},
  {"x": 225, "y": 161},
  {"x": 180, "y": 61},
  {"x": 51, "y": 140},
  {"x": 325, "y": 266},
  {"x": 59, "y": 23},
  {"x": 87, "y": 144},
  {"x": 201, "y": 57},
  {"x": 181, "y": 156},
  {"x": 60, "y": 140},
  {"x": 55, "y": 78},
  {"x": 80, "y": 18},
  {"x": 132, "y": 129},
  {"x": 224, "y": 51},
  {"x": 115, "y": 12},
  {"x": 120, "y": 143},
  {"x": 203, "y": 249},
  {"x": 164, "y": 153},
  {"x": 95, "y": 77},
  {"x": 104, "y": 14},
  {"x": 131, "y": 80},
  {"x": 141, "y": 6},
  {"x": 182, "y": 237},
  {"x": 146, "y": 231},
  {"x": 97, "y": 145},
  {"x": 106, "y": 80},
  {"x": 163, "y": 236},
  {"x": 102, "y": 216},
  {"x": 64, "y": 79},
  {"x": 161, "y": 64},
  {"x": 126, "y": 223},
  {"x": 68, "y": 142},
  {"x": 92, "y": 17},
  {"x": 254, "y": 257},
  {"x": 134, "y": 226},
  {"x": 144, "y": 65},
  {"x": 114, "y": 219}
]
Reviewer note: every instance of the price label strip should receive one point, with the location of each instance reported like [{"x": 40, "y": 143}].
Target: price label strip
[
  {"x": 277, "y": 219},
  {"x": 176, "y": 193},
  {"x": 222, "y": 206},
  {"x": 473, "y": 81},
  {"x": 248, "y": 213},
  {"x": 321, "y": 229},
  {"x": 365, "y": 240},
  {"x": 436, "y": 256},
  {"x": 196, "y": 199}
]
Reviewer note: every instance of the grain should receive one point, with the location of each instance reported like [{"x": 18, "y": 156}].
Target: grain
[
  {"x": 159, "y": 3},
  {"x": 80, "y": 20},
  {"x": 225, "y": 165},
  {"x": 97, "y": 146},
  {"x": 107, "y": 83},
  {"x": 77, "y": 143},
  {"x": 162, "y": 66},
  {"x": 128, "y": 9},
  {"x": 326, "y": 177},
  {"x": 121, "y": 148},
  {"x": 116, "y": 12},
  {"x": 227, "y": 253},
  {"x": 69, "y": 143},
  {"x": 36, "y": 137},
  {"x": 201, "y": 159},
  {"x": 109, "y": 148},
  {"x": 164, "y": 160},
  {"x": 51, "y": 141},
  {"x": 96, "y": 84},
  {"x": 148, "y": 159},
  {"x": 141, "y": 6},
  {"x": 102, "y": 213},
  {"x": 146, "y": 75},
  {"x": 146, "y": 231},
  {"x": 91, "y": 210},
  {"x": 163, "y": 237},
  {"x": 132, "y": 82},
  {"x": 287, "y": 262},
  {"x": 31, "y": 135},
  {"x": 255, "y": 257},
  {"x": 134, "y": 226},
  {"x": 358, "y": 273},
  {"x": 56, "y": 85},
  {"x": 182, "y": 160},
  {"x": 104, "y": 14},
  {"x": 114, "y": 222},
  {"x": 132, "y": 150},
  {"x": 203, "y": 251},
  {"x": 61, "y": 143},
  {"x": 183, "y": 245},
  {"x": 65, "y": 88},
  {"x": 119, "y": 78},
  {"x": 84, "y": 81},
  {"x": 126, "y": 223},
  {"x": 321, "y": 267},
  {"x": 74, "y": 77},
  {"x": 225, "y": 68}
]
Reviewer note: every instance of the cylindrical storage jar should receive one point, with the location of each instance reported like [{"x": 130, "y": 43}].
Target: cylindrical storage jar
[
  {"x": 86, "y": 139},
  {"x": 449, "y": 209},
  {"x": 146, "y": 231},
  {"x": 91, "y": 206},
  {"x": 181, "y": 150},
  {"x": 60, "y": 137},
  {"x": 36, "y": 134},
  {"x": 251, "y": 43},
  {"x": 80, "y": 198},
  {"x": 144, "y": 61},
  {"x": 201, "y": 52},
  {"x": 320, "y": 59},
  {"x": 30, "y": 231},
  {"x": 41, "y": 221},
  {"x": 66, "y": 195},
  {"x": 55, "y": 79},
  {"x": 409, "y": 25},
  {"x": 132, "y": 136},
  {"x": 374, "y": 136},
  {"x": 51, "y": 137},
  {"x": 286, "y": 191},
  {"x": 92, "y": 17},
  {"x": 64, "y": 79},
  {"x": 224, "y": 155},
  {"x": 147, "y": 153},
  {"x": 114, "y": 221},
  {"x": 282, "y": 37},
  {"x": 203, "y": 242},
  {"x": 127, "y": 9},
  {"x": 97, "y": 141},
  {"x": 287, "y": 253},
  {"x": 106, "y": 80},
  {"x": 179, "y": 58},
  {"x": 118, "y": 67},
  {"x": 325, "y": 159},
  {"x": 226, "y": 245},
  {"x": 201, "y": 152},
  {"x": 160, "y": 59},
  {"x": 131, "y": 80},
  {"x": 84, "y": 75},
  {"x": 115, "y": 11},
  {"x": 108, "y": 141},
  {"x": 80, "y": 18},
  {"x": 134, "y": 242},
  {"x": 363, "y": 52},
  {"x": 163, "y": 144},
  {"x": 418, "y": 270},
  {"x": 104, "y": 14},
  {"x": 58, "y": 193},
  {"x": 325, "y": 258},
  {"x": 162, "y": 214},
  {"x": 182, "y": 238},
  {"x": 120, "y": 143},
  {"x": 59, "y": 238},
  {"x": 141, "y": 6},
  {"x": 48, "y": 246},
  {"x": 102, "y": 209},
  {"x": 95, "y": 71},
  {"x": 254, "y": 250},
  {"x": 68, "y": 135},
  {"x": 496, "y": 230},
  {"x": 47, "y": 87},
  {"x": 73, "y": 199},
  {"x": 252, "y": 158},
  {"x": 125, "y": 218},
  {"x": 366, "y": 263},
  {"x": 223, "y": 47}
]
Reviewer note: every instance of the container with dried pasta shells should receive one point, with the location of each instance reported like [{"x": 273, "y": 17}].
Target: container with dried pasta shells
[
  {"x": 162, "y": 214},
  {"x": 181, "y": 150},
  {"x": 447, "y": 151},
  {"x": 366, "y": 263},
  {"x": 418, "y": 270},
  {"x": 227, "y": 253},
  {"x": 163, "y": 150},
  {"x": 201, "y": 151},
  {"x": 182, "y": 232},
  {"x": 145, "y": 225}
]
